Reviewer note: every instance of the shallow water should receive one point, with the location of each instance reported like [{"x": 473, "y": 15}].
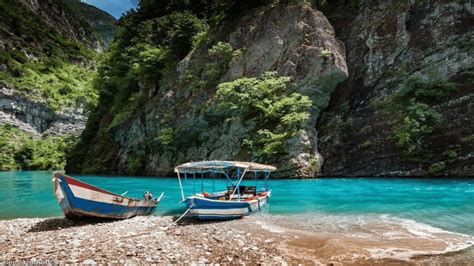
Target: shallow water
[{"x": 336, "y": 204}]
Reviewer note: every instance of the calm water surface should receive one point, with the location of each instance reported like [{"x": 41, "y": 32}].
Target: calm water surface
[{"x": 444, "y": 203}]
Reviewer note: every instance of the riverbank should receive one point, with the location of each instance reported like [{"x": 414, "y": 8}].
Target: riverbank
[{"x": 256, "y": 239}]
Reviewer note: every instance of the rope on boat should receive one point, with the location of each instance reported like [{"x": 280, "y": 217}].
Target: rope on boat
[{"x": 177, "y": 220}]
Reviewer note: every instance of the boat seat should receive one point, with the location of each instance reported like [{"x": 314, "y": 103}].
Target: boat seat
[{"x": 243, "y": 190}]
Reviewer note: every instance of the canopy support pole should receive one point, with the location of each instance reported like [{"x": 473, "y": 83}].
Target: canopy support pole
[
  {"x": 256, "y": 182},
  {"x": 267, "y": 174},
  {"x": 227, "y": 177},
  {"x": 202, "y": 181},
  {"x": 238, "y": 184},
  {"x": 181, "y": 185},
  {"x": 213, "y": 179}
]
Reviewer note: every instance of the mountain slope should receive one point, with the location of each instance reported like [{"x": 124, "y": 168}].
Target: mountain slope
[
  {"x": 48, "y": 62},
  {"x": 101, "y": 22}
]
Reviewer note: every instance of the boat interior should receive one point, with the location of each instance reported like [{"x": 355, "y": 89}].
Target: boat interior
[{"x": 243, "y": 193}]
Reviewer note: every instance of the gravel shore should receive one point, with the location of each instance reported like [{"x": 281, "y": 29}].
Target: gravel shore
[
  {"x": 136, "y": 240},
  {"x": 150, "y": 240}
]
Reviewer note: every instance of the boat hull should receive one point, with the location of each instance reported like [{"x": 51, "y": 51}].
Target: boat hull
[
  {"x": 78, "y": 199},
  {"x": 212, "y": 209}
]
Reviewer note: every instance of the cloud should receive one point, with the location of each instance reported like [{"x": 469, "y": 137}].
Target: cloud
[{"x": 114, "y": 7}]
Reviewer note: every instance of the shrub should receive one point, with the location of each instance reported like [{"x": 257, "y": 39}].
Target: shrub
[
  {"x": 326, "y": 53},
  {"x": 200, "y": 38},
  {"x": 222, "y": 50},
  {"x": 18, "y": 150},
  {"x": 416, "y": 126},
  {"x": 134, "y": 164},
  {"x": 468, "y": 139},
  {"x": 437, "y": 168},
  {"x": 452, "y": 155},
  {"x": 182, "y": 31},
  {"x": 432, "y": 88},
  {"x": 411, "y": 110},
  {"x": 272, "y": 104},
  {"x": 165, "y": 136}
]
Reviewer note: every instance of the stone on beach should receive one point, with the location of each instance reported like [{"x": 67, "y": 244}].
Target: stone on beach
[{"x": 252, "y": 240}]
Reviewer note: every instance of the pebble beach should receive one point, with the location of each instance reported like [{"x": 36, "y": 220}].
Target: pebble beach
[
  {"x": 157, "y": 240},
  {"x": 137, "y": 240}
]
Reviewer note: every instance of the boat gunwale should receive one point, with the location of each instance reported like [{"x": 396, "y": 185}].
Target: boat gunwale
[
  {"x": 100, "y": 190},
  {"x": 232, "y": 201}
]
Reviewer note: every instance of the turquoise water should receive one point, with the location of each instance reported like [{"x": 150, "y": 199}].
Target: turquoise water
[{"x": 443, "y": 203}]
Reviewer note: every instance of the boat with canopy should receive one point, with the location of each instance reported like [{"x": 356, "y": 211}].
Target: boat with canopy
[{"x": 237, "y": 200}]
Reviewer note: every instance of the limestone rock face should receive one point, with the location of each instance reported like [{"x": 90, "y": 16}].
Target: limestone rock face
[
  {"x": 388, "y": 43},
  {"x": 292, "y": 41},
  {"x": 295, "y": 41},
  {"x": 394, "y": 98},
  {"x": 37, "y": 118}
]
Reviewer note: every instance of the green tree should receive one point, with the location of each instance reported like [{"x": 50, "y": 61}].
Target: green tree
[{"x": 278, "y": 111}]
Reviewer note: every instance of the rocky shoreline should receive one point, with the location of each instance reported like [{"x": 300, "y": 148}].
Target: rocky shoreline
[
  {"x": 151, "y": 240},
  {"x": 137, "y": 240}
]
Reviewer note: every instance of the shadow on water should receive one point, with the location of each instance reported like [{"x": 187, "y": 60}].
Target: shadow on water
[{"x": 53, "y": 224}]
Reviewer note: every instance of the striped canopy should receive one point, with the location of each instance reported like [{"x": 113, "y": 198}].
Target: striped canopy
[{"x": 205, "y": 166}]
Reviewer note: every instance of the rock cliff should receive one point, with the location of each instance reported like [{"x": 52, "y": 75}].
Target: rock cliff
[
  {"x": 36, "y": 118},
  {"x": 389, "y": 82},
  {"x": 409, "y": 62},
  {"x": 295, "y": 41}
]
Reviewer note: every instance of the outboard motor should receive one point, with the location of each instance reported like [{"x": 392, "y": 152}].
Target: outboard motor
[{"x": 147, "y": 195}]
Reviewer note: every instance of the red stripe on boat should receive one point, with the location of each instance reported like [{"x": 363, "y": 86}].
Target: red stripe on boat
[{"x": 78, "y": 183}]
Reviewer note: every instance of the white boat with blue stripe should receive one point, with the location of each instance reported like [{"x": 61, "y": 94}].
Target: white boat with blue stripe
[
  {"x": 237, "y": 200},
  {"x": 79, "y": 199}
]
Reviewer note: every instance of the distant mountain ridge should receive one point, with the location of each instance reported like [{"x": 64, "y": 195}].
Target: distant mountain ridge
[
  {"x": 55, "y": 14},
  {"x": 102, "y": 22}
]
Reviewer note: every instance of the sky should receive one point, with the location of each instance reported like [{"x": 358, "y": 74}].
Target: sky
[{"x": 114, "y": 7}]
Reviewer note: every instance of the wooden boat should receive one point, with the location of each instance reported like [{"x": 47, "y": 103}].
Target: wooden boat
[
  {"x": 235, "y": 202},
  {"x": 79, "y": 199}
]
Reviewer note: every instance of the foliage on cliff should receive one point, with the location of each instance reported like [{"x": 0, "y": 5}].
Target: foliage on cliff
[
  {"x": 18, "y": 150},
  {"x": 406, "y": 108},
  {"x": 270, "y": 104},
  {"x": 42, "y": 63},
  {"x": 175, "y": 69},
  {"x": 149, "y": 42},
  {"x": 47, "y": 55}
]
